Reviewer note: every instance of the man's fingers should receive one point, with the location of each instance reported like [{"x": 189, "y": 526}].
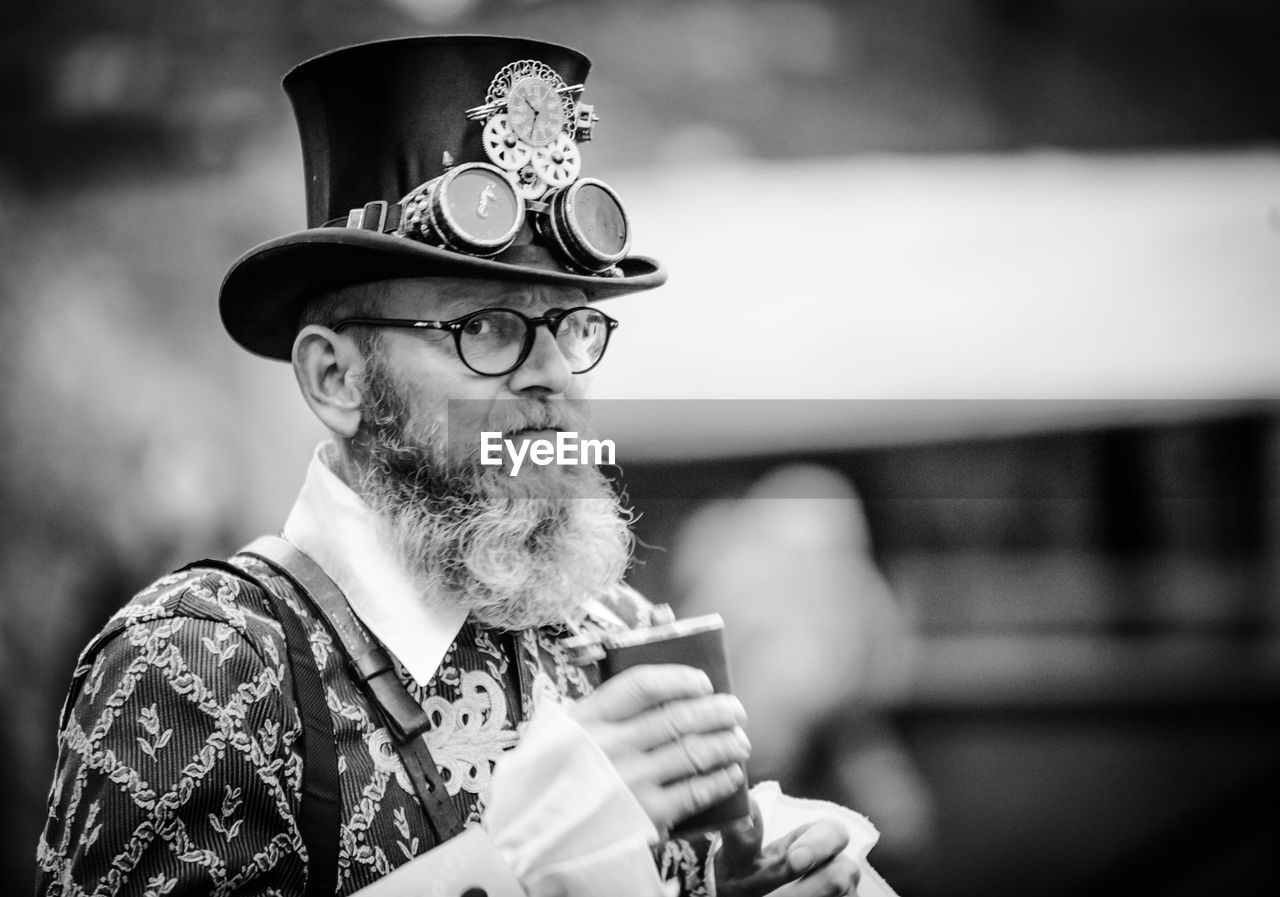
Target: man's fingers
[
  {"x": 641, "y": 688},
  {"x": 836, "y": 878},
  {"x": 739, "y": 845},
  {"x": 693, "y": 755},
  {"x": 688, "y": 716},
  {"x": 809, "y": 846},
  {"x": 678, "y": 746},
  {"x": 683, "y": 799}
]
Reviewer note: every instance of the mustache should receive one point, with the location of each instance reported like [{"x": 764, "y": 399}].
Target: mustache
[{"x": 514, "y": 416}]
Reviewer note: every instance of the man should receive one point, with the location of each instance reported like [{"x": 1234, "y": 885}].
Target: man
[{"x": 432, "y": 734}]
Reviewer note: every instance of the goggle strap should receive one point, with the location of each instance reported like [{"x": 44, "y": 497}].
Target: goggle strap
[{"x": 380, "y": 216}]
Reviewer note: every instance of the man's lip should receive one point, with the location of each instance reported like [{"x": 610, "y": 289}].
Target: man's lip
[{"x": 536, "y": 433}]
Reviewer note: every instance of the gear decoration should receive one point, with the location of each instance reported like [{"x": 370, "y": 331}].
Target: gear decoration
[
  {"x": 558, "y": 165},
  {"x": 503, "y": 147},
  {"x": 533, "y": 123},
  {"x": 531, "y": 186}
]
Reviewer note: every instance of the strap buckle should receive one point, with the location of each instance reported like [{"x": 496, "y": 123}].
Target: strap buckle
[{"x": 372, "y": 217}]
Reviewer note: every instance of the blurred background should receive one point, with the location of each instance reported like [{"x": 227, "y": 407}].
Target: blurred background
[{"x": 961, "y": 403}]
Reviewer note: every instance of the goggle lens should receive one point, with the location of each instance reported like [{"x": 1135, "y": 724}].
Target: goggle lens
[
  {"x": 483, "y": 206},
  {"x": 473, "y": 208},
  {"x": 600, "y": 220}
]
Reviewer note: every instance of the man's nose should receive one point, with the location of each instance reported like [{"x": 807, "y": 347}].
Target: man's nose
[{"x": 546, "y": 368}]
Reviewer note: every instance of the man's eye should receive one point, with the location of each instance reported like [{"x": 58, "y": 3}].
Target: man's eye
[
  {"x": 585, "y": 323},
  {"x": 496, "y": 327}
]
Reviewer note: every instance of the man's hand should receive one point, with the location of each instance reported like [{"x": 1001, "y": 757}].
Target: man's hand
[
  {"x": 807, "y": 862},
  {"x": 677, "y": 746}
]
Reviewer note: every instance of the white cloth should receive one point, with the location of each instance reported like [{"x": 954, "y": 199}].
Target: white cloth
[
  {"x": 564, "y": 775},
  {"x": 782, "y": 813},
  {"x": 558, "y": 815}
]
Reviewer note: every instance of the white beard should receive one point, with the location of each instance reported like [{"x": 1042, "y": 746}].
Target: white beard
[{"x": 517, "y": 552}]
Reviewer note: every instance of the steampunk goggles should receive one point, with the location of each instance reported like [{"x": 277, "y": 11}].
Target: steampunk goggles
[{"x": 479, "y": 209}]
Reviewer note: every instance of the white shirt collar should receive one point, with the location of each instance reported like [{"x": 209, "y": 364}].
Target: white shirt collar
[{"x": 331, "y": 525}]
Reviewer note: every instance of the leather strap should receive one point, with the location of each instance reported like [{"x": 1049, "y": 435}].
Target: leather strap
[
  {"x": 320, "y": 812},
  {"x": 402, "y": 714},
  {"x": 379, "y": 216}
]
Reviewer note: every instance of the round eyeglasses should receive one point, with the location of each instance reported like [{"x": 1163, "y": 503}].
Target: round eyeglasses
[{"x": 496, "y": 341}]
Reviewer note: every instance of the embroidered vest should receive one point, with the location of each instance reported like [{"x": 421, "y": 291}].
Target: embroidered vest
[{"x": 177, "y": 766}]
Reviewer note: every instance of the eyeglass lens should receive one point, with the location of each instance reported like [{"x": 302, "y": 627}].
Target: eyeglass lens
[{"x": 491, "y": 342}]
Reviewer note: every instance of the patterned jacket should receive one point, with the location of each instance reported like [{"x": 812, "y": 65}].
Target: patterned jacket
[{"x": 177, "y": 771}]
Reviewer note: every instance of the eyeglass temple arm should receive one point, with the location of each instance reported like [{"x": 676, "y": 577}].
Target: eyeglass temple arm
[{"x": 396, "y": 322}]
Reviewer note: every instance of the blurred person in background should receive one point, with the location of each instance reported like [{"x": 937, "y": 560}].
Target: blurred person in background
[
  {"x": 383, "y": 698},
  {"x": 819, "y": 648}
]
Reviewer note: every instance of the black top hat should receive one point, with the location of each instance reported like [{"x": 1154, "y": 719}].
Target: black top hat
[{"x": 376, "y": 121}]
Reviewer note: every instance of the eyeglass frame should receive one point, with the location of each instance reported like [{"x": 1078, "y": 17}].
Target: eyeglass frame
[{"x": 553, "y": 320}]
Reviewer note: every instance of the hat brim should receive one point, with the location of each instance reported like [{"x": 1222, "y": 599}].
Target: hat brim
[{"x": 263, "y": 295}]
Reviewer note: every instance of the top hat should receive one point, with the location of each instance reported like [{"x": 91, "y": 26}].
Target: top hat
[{"x": 379, "y": 120}]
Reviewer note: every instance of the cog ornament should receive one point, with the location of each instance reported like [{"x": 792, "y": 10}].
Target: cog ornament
[
  {"x": 503, "y": 147},
  {"x": 531, "y": 186},
  {"x": 559, "y": 164}
]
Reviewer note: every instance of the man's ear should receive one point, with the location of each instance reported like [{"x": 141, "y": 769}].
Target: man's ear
[{"x": 329, "y": 366}]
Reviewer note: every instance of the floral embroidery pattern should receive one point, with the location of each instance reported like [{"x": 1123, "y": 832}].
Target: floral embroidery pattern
[
  {"x": 469, "y": 735},
  {"x": 382, "y": 751},
  {"x": 221, "y": 645},
  {"x": 158, "y": 885},
  {"x": 173, "y": 743},
  {"x": 408, "y": 842},
  {"x": 230, "y": 803},
  {"x": 150, "y": 722},
  {"x": 91, "y": 831}
]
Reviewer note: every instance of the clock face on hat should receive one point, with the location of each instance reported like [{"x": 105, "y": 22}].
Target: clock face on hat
[{"x": 535, "y": 111}]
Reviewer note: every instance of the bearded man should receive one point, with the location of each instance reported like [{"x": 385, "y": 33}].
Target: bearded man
[{"x": 384, "y": 698}]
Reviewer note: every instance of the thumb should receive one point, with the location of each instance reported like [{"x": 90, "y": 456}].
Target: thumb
[
  {"x": 740, "y": 845},
  {"x": 742, "y": 869}
]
